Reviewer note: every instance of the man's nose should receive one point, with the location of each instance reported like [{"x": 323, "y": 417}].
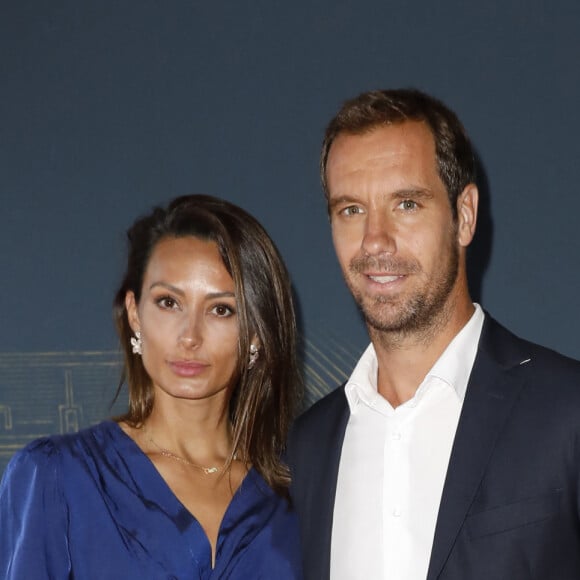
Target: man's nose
[{"x": 379, "y": 235}]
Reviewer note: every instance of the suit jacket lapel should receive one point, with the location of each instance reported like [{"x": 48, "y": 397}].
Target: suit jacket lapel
[
  {"x": 314, "y": 454},
  {"x": 323, "y": 500},
  {"x": 493, "y": 388}
]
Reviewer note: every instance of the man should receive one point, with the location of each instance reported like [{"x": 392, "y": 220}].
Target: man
[{"x": 453, "y": 451}]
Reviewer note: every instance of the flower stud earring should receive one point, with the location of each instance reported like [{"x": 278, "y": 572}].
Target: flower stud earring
[
  {"x": 254, "y": 354},
  {"x": 137, "y": 343}
]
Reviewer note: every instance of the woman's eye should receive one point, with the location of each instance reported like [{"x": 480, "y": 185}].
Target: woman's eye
[
  {"x": 167, "y": 302},
  {"x": 222, "y": 310}
]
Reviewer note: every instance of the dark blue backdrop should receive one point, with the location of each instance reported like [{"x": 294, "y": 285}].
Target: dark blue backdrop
[{"x": 107, "y": 108}]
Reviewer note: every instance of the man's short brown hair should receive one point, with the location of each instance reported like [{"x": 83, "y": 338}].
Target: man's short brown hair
[{"x": 371, "y": 110}]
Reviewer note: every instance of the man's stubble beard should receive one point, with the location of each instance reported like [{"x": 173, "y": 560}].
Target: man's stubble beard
[{"x": 422, "y": 313}]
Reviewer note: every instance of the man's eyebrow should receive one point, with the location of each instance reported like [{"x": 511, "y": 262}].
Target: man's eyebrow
[
  {"x": 414, "y": 192},
  {"x": 332, "y": 203}
]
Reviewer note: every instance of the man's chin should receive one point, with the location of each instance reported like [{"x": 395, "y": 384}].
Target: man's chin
[{"x": 388, "y": 319}]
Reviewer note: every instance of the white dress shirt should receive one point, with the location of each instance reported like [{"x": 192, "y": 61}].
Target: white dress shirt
[{"x": 393, "y": 466}]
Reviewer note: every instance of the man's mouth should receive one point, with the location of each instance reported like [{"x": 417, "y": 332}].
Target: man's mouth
[{"x": 384, "y": 279}]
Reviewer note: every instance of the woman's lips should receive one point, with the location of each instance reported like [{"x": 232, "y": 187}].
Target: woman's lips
[{"x": 187, "y": 368}]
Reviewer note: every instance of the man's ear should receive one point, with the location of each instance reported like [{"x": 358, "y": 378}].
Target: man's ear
[
  {"x": 132, "y": 312},
  {"x": 467, "y": 214}
]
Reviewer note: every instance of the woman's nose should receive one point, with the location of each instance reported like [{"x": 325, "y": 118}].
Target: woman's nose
[{"x": 190, "y": 335}]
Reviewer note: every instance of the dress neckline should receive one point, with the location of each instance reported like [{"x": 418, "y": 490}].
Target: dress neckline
[{"x": 146, "y": 475}]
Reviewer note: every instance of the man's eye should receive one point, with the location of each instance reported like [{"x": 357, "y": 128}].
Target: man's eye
[
  {"x": 408, "y": 204},
  {"x": 351, "y": 210},
  {"x": 222, "y": 310}
]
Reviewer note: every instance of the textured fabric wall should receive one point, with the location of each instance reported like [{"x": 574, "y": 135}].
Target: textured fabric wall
[{"x": 108, "y": 108}]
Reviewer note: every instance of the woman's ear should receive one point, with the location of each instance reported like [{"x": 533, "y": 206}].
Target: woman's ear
[{"x": 132, "y": 311}]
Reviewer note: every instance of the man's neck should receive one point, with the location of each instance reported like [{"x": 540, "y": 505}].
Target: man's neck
[{"x": 405, "y": 358}]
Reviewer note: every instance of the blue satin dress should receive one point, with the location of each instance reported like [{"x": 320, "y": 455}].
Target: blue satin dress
[{"x": 91, "y": 505}]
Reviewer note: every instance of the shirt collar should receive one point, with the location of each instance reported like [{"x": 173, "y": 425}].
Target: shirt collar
[
  {"x": 453, "y": 366},
  {"x": 362, "y": 384}
]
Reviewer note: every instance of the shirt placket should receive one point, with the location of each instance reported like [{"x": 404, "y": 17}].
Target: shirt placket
[{"x": 395, "y": 495}]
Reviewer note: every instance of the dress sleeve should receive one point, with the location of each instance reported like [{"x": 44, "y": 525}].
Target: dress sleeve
[{"x": 33, "y": 516}]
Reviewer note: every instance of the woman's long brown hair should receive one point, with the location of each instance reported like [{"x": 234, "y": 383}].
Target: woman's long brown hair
[{"x": 266, "y": 396}]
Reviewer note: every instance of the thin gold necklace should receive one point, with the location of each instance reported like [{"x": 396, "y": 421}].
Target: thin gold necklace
[{"x": 166, "y": 453}]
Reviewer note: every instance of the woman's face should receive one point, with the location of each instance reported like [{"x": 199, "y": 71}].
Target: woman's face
[{"x": 188, "y": 320}]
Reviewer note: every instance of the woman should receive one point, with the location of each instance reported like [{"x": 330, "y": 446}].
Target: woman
[{"x": 189, "y": 482}]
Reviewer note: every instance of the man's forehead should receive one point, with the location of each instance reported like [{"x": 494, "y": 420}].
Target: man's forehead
[
  {"x": 384, "y": 140},
  {"x": 399, "y": 146}
]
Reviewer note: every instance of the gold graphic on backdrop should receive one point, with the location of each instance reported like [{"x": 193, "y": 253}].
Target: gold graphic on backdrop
[
  {"x": 53, "y": 392},
  {"x": 69, "y": 413},
  {"x": 61, "y": 392}
]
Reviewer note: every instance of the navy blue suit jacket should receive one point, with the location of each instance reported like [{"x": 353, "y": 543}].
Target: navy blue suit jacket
[{"x": 510, "y": 508}]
